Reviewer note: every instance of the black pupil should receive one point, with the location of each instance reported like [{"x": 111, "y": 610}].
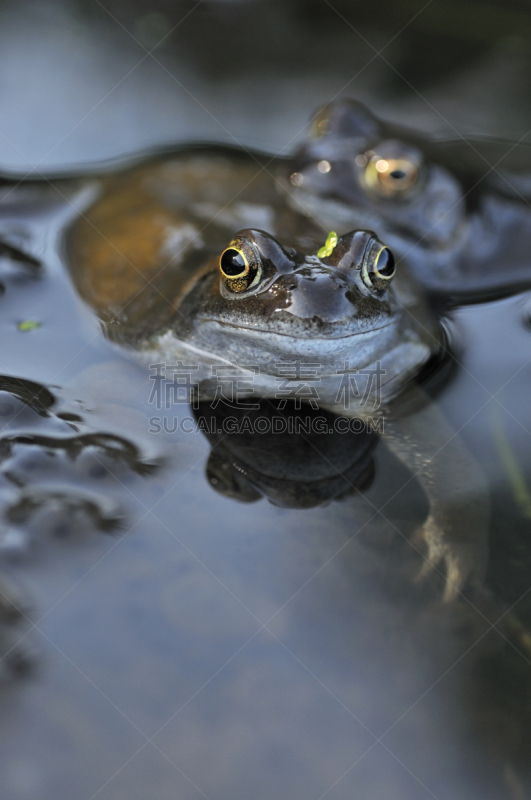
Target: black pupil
[
  {"x": 398, "y": 174},
  {"x": 386, "y": 263},
  {"x": 232, "y": 262}
]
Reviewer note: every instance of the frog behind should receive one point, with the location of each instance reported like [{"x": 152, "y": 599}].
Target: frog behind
[{"x": 464, "y": 234}]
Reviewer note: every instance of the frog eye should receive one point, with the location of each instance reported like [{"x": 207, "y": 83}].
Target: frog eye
[
  {"x": 384, "y": 266},
  {"x": 390, "y": 177},
  {"x": 378, "y": 266},
  {"x": 233, "y": 263},
  {"x": 240, "y": 267}
]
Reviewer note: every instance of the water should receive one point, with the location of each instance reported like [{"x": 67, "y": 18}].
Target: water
[{"x": 180, "y": 643}]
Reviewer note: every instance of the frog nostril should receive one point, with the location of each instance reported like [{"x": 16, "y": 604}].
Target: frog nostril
[{"x": 287, "y": 283}]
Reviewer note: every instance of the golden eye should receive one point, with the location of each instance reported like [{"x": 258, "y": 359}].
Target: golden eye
[
  {"x": 233, "y": 263},
  {"x": 239, "y": 268},
  {"x": 378, "y": 267},
  {"x": 390, "y": 176},
  {"x": 384, "y": 266}
]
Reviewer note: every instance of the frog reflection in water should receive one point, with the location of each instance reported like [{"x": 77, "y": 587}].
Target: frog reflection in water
[
  {"x": 259, "y": 306},
  {"x": 462, "y": 226},
  {"x": 304, "y": 457}
]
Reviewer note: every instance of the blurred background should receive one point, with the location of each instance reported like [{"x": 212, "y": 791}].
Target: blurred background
[
  {"x": 138, "y": 639},
  {"x": 86, "y": 80}
]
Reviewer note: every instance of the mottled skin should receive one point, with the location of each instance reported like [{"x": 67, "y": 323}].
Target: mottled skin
[
  {"x": 335, "y": 314},
  {"x": 175, "y": 211},
  {"x": 463, "y": 228}
]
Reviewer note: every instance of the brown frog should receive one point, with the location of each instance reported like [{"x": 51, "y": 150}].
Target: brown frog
[{"x": 259, "y": 306}]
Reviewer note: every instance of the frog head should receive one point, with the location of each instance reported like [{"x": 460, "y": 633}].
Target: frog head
[
  {"x": 261, "y": 305},
  {"x": 380, "y": 175}
]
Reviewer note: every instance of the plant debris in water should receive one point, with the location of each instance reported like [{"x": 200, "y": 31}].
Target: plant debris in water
[{"x": 28, "y": 325}]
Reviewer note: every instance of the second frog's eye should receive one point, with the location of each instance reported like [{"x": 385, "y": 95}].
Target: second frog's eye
[
  {"x": 393, "y": 169},
  {"x": 378, "y": 266},
  {"x": 390, "y": 176},
  {"x": 240, "y": 266}
]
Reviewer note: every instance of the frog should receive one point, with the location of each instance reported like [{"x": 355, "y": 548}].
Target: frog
[
  {"x": 259, "y": 307},
  {"x": 456, "y": 211}
]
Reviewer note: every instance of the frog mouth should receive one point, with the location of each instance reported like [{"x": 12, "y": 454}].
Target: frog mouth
[
  {"x": 312, "y": 337},
  {"x": 237, "y": 341}
]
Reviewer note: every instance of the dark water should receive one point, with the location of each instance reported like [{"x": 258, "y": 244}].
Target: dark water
[{"x": 172, "y": 641}]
